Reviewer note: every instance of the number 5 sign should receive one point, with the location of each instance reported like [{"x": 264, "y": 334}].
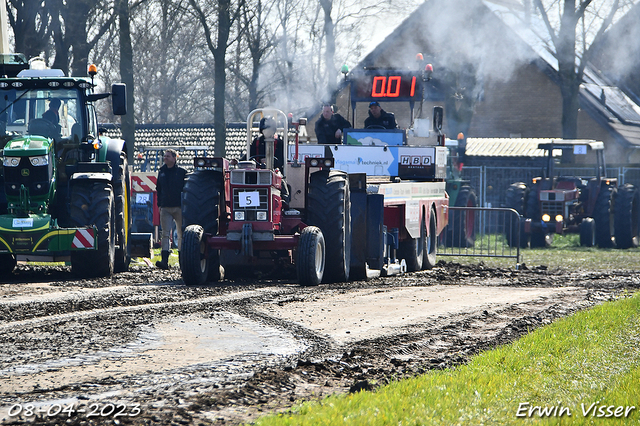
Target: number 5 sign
[{"x": 249, "y": 199}]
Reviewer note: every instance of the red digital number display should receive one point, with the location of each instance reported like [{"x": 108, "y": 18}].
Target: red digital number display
[{"x": 386, "y": 86}]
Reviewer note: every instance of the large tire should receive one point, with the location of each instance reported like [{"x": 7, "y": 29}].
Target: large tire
[
  {"x": 329, "y": 208},
  {"x": 92, "y": 203},
  {"x": 587, "y": 232},
  {"x": 517, "y": 194},
  {"x": 310, "y": 260},
  {"x": 7, "y": 264},
  {"x": 201, "y": 200},
  {"x": 122, "y": 192},
  {"x": 603, "y": 215},
  {"x": 627, "y": 216},
  {"x": 412, "y": 250},
  {"x": 463, "y": 233},
  {"x": 201, "y": 206},
  {"x": 194, "y": 262},
  {"x": 431, "y": 247}
]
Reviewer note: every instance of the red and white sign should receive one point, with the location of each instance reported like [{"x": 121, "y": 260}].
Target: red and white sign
[
  {"x": 83, "y": 239},
  {"x": 144, "y": 182}
]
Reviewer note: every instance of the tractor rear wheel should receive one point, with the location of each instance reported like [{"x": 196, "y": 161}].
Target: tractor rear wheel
[
  {"x": 603, "y": 216},
  {"x": 463, "y": 233},
  {"x": 517, "y": 194},
  {"x": 194, "y": 256},
  {"x": 201, "y": 200},
  {"x": 412, "y": 250},
  {"x": 329, "y": 208},
  {"x": 92, "y": 203},
  {"x": 627, "y": 216},
  {"x": 201, "y": 206},
  {"x": 7, "y": 264},
  {"x": 310, "y": 261},
  {"x": 122, "y": 192}
]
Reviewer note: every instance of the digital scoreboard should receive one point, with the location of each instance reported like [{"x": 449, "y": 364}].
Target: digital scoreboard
[{"x": 386, "y": 86}]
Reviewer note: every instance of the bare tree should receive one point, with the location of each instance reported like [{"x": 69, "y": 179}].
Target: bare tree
[
  {"x": 580, "y": 26},
  {"x": 126, "y": 74},
  {"x": 30, "y": 22},
  {"x": 223, "y": 15}
]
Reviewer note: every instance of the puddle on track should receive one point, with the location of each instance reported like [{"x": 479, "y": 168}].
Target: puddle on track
[{"x": 184, "y": 342}]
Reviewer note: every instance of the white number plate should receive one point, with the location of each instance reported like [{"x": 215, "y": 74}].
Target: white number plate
[
  {"x": 23, "y": 223},
  {"x": 249, "y": 199}
]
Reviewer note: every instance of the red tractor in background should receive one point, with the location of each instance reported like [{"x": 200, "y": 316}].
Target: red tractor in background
[{"x": 604, "y": 213}]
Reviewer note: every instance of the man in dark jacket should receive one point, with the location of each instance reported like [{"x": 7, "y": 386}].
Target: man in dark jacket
[
  {"x": 169, "y": 193},
  {"x": 379, "y": 118},
  {"x": 329, "y": 126}
]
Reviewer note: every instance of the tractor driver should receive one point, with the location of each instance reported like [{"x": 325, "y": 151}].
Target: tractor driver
[
  {"x": 52, "y": 115},
  {"x": 258, "y": 148},
  {"x": 329, "y": 126},
  {"x": 379, "y": 118}
]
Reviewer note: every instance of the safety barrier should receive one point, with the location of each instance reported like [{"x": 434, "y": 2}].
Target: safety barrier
[{"x": 482, "y": 232}]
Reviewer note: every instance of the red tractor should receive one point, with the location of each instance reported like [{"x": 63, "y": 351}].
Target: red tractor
[
  {"x": 327, "y": 224},
  {"x": 596, "y": 207}
]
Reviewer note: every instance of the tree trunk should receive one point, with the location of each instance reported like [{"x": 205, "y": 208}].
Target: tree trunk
[
  {"x": 330, "y": 37},
  {"x": 220, "y": 75},
  {"x": 126, "y": 74}
]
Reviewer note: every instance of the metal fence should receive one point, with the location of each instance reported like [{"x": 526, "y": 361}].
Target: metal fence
[{"x": 481, "y": 232}]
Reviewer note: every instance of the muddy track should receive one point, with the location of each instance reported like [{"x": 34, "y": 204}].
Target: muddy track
[{"x": 163, "y": 353}]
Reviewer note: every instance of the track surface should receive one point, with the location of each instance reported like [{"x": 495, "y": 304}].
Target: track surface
[{"x": 142, "y": 348}]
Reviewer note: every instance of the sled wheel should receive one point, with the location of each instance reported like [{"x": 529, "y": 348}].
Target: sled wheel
[
  {"x": 587, "y": 232},
  {"x": 412, "y": 250},
  {"x": 432, "y": 243},
  {"x": 311, "y": 256}
]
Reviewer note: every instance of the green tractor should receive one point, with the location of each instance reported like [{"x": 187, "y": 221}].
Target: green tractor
[{"x": 65, "y": 189}]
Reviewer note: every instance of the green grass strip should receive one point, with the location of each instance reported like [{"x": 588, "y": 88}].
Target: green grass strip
[{"x": 578, "y": 370}]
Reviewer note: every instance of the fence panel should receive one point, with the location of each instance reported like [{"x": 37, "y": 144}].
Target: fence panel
[{"x": 482, "y": 232}]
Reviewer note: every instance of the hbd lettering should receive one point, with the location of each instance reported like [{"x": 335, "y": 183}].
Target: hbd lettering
[{"x": 525, "y": 409}]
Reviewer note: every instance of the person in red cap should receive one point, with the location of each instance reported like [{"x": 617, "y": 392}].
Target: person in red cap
[{"x": 379, "y": 118}]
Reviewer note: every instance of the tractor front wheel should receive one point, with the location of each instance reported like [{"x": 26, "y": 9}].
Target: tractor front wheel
[
  {"x": 92, "y": 203},
  {"x": 194, "y": 259}
]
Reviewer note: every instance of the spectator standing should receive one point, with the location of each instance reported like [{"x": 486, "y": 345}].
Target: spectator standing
[
  {"x": 169, "y": 191},
  {"x": 329, "y": 126},
  {"x": 379, "y": 118}
]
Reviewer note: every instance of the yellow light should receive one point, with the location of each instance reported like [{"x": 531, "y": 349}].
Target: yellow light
[
  {"x": 546, "y": 218},
  {"x": 97, "y": 145},
  {"x": 559, "y": 218},
  {"x": 93, "y": 69}
]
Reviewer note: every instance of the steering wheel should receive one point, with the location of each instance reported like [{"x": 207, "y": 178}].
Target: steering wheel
[
  {"x": 376, "y": 126},
  {"x": 257, "y": 158}
]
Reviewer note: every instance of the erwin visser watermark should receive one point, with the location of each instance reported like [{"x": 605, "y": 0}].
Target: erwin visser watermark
[{"x": 595, "y": 409}]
